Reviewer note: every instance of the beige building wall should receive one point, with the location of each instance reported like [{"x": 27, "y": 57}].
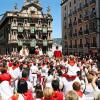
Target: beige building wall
[{"x": 79, "y": 26}]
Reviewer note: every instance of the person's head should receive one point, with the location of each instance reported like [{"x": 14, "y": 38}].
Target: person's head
[
  {"x": 71, "y": 95},
  {"x": 48, "y": 93},
  {"x": 3, "y": 71},
  {"x": 57, "y": 47},
  {"x": 55, "y": 85},
  {"x": 25, "y": 73},
  {"x": 38, "y": 91},
  {"x": 89, "y": 78},
  {"x": 22, "y": 86},
  {"x": 38, "y": 87},
  {"x": 76, "y": 86}
]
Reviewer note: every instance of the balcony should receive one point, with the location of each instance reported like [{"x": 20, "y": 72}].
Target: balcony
[
  {"x": 74, "y": 34},
  {"x": 86, "y": 31},
  {"x": 74, "y": 12},
  {"x": 70, "y": 46},
  {"x": 75, "y": 23},
  {"x": 64, "y": 18},
  {"x": 70, "y": 25},
  {"x": 70, "y": 34},
  {"x": 92, "y": 30},
  {"x": 92, "y": 1},
  {"x": 85, "y": 5},
  {"x": 93, "y": 45},
  {"x": 93, "y": 15},
  {"x": 87, "y": 45},
  {"x": 70, "y": 14},
  {"x": 79, "y": 21},
  {"x": 80, "y": 8},
  {"x": 80, "y": 45},
  {"x": 86, "y": 17},
  {"x": 80, "y": 33},
  {"x": 74, "y": 46}
]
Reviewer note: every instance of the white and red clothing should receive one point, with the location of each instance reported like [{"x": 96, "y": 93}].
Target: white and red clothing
[
  {"x": 5, "y": 90},
  {"x": 57, "y": 54}
]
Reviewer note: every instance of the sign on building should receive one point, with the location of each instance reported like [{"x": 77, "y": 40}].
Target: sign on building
[
  {"x": 33, "y": 43},
  {"x": 20, "y": 29},
  {"x": 32, "y": 29},
  {"x": 45, "y": 43},
  {"x": 20, "y": 43},
  {"x": 45, "y": 30}
]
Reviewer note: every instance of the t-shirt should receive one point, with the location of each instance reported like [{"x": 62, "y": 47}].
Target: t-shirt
[{"x": 57, "y": 54}]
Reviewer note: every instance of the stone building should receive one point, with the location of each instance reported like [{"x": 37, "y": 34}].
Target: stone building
[
  {"x": 80, "y": 26},
  {"x": 29, "y": 27}
]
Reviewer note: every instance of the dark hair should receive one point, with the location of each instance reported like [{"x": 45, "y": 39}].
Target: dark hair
[
  {"x": 59, "y": 72},
  {"x": 38, "y": 91},
  {"x": 55, "y": 85},
  {"x": 25, "y": 73},
  {"x": 21, "y": 67},
  {"x": 22, "y": 86},
  {"x": 38, "y": 86},
  {"x": 56, "y": 47},
  {"x": 3, "y": 71},
  {"x": 50, "y": 72},
  {"x": 76, "y": 86}
]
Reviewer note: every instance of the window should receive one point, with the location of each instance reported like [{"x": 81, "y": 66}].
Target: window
[
  {"x": 75, "y": 31},
  {"x": 70, "y": 4},
  {"x": 65, "y": 7},
  {"x": 49, "y": 23},
  {"x": 39, "y": 22},
  {"x": 25, "y": 21},
  {"x": 93, "y": 11},
  {"x": 74, "y": 18},
  {"x": 74, "y": 1},
  {"x": 80, "y": 16},
  {"x": 14, "y": 21},
  {"x": 94, "y": 40},
  {"x": 80, "y": 28},
  {"x": 80, "y": 41},
  {"x": 75, "y": 42}
]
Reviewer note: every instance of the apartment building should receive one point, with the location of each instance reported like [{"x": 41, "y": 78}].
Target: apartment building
[{"x": 80, "y": 26}]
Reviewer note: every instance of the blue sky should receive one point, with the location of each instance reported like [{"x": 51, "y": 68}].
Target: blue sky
[{"x": 7, "y": 5}]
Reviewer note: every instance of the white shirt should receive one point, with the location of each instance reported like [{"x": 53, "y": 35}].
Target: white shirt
[{"x": 72, "y": 70}]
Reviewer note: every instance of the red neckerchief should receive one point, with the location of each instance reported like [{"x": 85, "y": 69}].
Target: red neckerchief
[
  {"x": 69, "y": 77},
  {"x": 24, "y": 78},
  {"x": 14, "y": 67},
  {"x": 79, "y": 93}
]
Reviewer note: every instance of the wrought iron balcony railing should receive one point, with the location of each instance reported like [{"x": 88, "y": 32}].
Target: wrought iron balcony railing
[
  {"x": 86, "y": 31},
  {"x": 92, "y": 1},
  {"x": 79, "y": 20}
]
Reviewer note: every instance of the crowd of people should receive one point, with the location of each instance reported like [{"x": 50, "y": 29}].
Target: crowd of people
[{"x": 49, "y": 76}]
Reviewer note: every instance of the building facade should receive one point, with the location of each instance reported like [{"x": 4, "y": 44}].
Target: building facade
[
  {"x": 80, "y": 26},
  {"x": 29, "y": 27}
]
